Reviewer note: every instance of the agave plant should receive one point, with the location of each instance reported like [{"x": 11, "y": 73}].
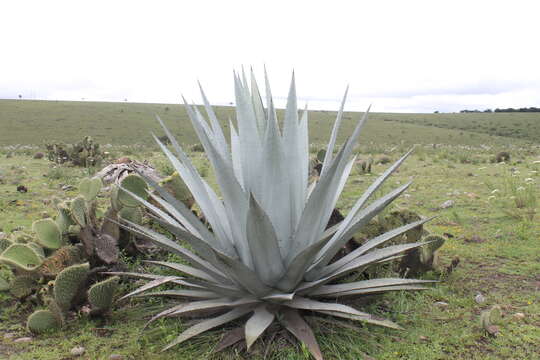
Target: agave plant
[{"x": 269, "y": 255}]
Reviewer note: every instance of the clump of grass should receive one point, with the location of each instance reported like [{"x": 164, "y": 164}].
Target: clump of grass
[{"x": 517, "y": 198}]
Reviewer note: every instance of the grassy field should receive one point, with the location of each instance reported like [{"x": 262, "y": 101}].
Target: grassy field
[
  {"x": 36, "y": 122},
  {"x": 496, "y": 240}
]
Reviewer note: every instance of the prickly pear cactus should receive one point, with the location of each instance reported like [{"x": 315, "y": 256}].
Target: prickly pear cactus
[
  {"x": 78, "y": 210},
  {"x": 101, "y": 295},
  {"x": 41, "y": 321},
  {"x": 4, "y": 284},
  {"x": 176, "y": 186},
  {"x": 48, "y": 233},
  {"x": 68, "y": 284},
  {"x": 61, "y": 259},
  {"x": 134, "y": 184},
  {"x": 64, "y": 219},
  {"x": 22, "y": 257},
  {"x": 133, "y": 215},
  {"x": 89, "y": 188},
  {"x": 428, "y": 252},
  {"x": 23, "y": 285},
  {"x": 321, "y": 154}
]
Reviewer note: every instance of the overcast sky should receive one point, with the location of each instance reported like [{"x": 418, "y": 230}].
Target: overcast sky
[{"x": 401, "y": 56}]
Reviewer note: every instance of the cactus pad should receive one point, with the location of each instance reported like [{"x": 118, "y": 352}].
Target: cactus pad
[
  {"x": 41, "y": 321},
  {"x": 68, "y": 284},
  {"x": 20, "y": 237},
  {"x": 176, "y": 186},
  {"x": 134, "y": 184},
  {"x": 133, "y": 215},
  {"x": 4, "y": 244},
  {"x": 64, "y": 220},
  {"x": 48, "y": 233},
  {"x": 23, "y": 285},
  {"x": 39, "y": 250},
  {"x": 101, "y": 294},
  {"x": 22, "y": 257},
  {"x": 4, "y": 284},
  {"x": 78, "y": 210},
  {"x": 321, "y": 154},
  {"x": 89, "y": 188}
]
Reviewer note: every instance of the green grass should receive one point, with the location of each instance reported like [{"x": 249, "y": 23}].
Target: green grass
[
  {"x": 37, "y": 122},
  {"x": 504, "y": 265},
  {"x": 514, "y": 125}
]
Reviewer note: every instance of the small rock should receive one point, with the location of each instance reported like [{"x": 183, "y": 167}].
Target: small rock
[
  {"x": 492, "y": 330},
  {"x": 67, "y": 187},
  {"x": 2, "y": 235},
  {"x": 22, "y": 189},
  {"x": 447, "y": 204},
  {"x": 441, "y": 304},
  {"x": 519, "y": 316},
  {"x": 39, "y": 155},
  {"x": 116, "y": 357},
  {"x": 423, "y": 338},
  {"x": 480, "y": 298},
  {"x": 23, "y": 340},
  {"x": 77, "y": 351}
]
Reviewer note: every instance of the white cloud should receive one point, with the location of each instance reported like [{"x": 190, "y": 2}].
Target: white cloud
[{"x": 398, "y": 55}]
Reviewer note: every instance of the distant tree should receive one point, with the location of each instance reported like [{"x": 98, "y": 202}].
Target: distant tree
[
  {"x": 20, "y": 96},
  {"x": 436, "y": 112}
]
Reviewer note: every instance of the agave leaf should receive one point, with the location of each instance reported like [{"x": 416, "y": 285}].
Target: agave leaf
[
  {"x": 330, "y": 148},
  {"x": 212, "y": 304},
  {"x": 210, "y": 324},
  {"x": 263, "y": 245},
  {"x": 365, "y": 284},
  {"x": 202, "y": 194},
  {"x": 370, "y": 319},
  {"x": 293, "y": 137},
  {"x": 303, "y": 303},
  {"x": 166, "y": 243},
  {"x": 235, "y": 200},
  {"x": 257, "y": 324},
  {"x": 371, "y": 244},
  {"x": 274, "y": 194},
  {"x": 249, "y": 138},
  {"x": 150, "y": 285},
  {"x": 216, "y": 127},
  {"x": 361, "y": 261},
  {"x": 181, "y": 213},
  {"x": 244, "y": 276},
  {"x": 257, "y": 105},
  {"x": 293, "y": 322},
  {"x": 359, "y": 292},
  {"x": 315, "y": 216},
  {"x": 236, "y": 159},
  {"x": 299, "y": 265},
  {"x": 184, "y": 269},
  {"x": 199, "y": 294},
  {"x": 230, "y": 338}
]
